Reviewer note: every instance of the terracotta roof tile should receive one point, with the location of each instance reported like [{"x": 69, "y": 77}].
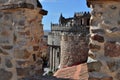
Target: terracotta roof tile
[{"x": 78, "y": 72}]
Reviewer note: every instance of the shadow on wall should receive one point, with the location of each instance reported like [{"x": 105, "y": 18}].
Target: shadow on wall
[{"x": 44, "y": 78}]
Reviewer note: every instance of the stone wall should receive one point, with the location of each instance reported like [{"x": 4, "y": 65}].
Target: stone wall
[
  {"x": 54, "y": 57},
  {"x": 105, "y": 40},
  {"x": 21, "y": 32},
  {"x": 54, "y": 39},
  {"x": 74, "y": 50},
  {"x": 77, "y": 29}
]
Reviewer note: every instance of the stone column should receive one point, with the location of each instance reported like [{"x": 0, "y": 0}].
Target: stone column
[
  {"x": 105, "y": 40},
  {"x": 51, "y": 58},
  {"x": 21, "y": 31},
  {"x": 57, "y": 58}
]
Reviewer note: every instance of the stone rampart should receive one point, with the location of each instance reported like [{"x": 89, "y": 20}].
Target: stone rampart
[{"x": 74, "y": 50}]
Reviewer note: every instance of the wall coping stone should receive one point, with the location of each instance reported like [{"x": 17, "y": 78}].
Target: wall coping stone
[
  {"x": 89, "y": 2},
  {"x": 22, "y": 5}
]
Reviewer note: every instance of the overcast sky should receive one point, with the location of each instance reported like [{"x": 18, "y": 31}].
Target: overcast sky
[{"x": 56, "y": 7}]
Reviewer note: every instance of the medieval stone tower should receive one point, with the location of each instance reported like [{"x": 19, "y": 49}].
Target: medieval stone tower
[
  {"x": 21, "y": 31},
  {"x": 78, "y": 24},
  {"x": 74, "y": 50},
  {"x": 105, "y": 40}
]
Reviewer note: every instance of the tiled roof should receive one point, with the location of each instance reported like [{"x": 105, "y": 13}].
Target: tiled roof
[{"x": 79, "y": 72}]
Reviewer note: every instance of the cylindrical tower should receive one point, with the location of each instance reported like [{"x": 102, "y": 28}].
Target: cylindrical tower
[{"x": 74, "y": 50}]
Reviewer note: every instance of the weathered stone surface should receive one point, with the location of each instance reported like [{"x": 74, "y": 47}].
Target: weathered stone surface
[
  {"x": 99, "y": 76},
  {"x": 3, "y": 52},
  {"x": 3, "y": 1},
  {"x": 105, "y": 29},
  {"x": 5, "y": 75},
  {"x": 23, "y": 63},
  {"x": 35, "y": 48},
  {"x": 23, "y": 71},
  {"x": 22, "y": 23},
  {"x": 15, "y": 6},
  {"x": 14, "y": 37},
  {"x": 92, "y": 78},
  {"x": 118, "y": 22},
  {"x": 39, "y": 62},
  {"x": 22, "y": 54},
  {"x": 107, "y": 78},
  {"x": 35, "y": 3},
  {"x": 94, "y": 47},
  {"x": 73, "y": 51},
  {"x": 8, "y": 63},
  {"x": 98, "y": 38},
  {"x": 0, "y": 60},
  {"x": 94, "y": 66},
  {"x": 118, "y": 75},
  {"x": 113, "y": 65},
  {"x": 113, "y": 7},
  {"x": 21, "y": 29},
  {"x": 25, "y": 33},
  {"x": 7, "y": 47},
  {"x": 43, "y": 78},
  {"x": 100, "y": 31},
  {"x": 115, "y": 29},
  {"x": 112, "y": 49}
]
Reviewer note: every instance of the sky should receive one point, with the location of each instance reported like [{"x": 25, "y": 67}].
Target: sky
[{"x": 56, "y": 7}]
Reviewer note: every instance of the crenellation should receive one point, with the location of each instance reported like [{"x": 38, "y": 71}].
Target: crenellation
[{"x": 72, "y": 37}]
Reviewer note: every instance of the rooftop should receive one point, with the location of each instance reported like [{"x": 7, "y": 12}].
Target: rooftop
[{"x": 73, "y": 73}]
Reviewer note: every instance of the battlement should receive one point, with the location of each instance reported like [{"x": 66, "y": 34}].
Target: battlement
[
  {"x": 55, "y": 24},
  {"x": 72, "y": 37},
  {"x": 60, "y": 28},
  {"x": 68, "y": 28},
  {"x": 81, "y": 13}
]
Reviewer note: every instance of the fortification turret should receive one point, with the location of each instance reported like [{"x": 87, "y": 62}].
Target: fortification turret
[{"x": 74, "y": 50}]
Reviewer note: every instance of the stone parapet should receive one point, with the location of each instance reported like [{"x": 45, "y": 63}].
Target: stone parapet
[
  {"x": 14, "y": 4},
  {"x": 69, "y": 28},
  {"x": 89, "y": 2},
  {"x": 35, "y": 3},
  {"x": 72, "y": 37},
  {"x": 21, "y": 33},
  {"x": 18, "y": 5},
  {"x": 105, "y": 39}
]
